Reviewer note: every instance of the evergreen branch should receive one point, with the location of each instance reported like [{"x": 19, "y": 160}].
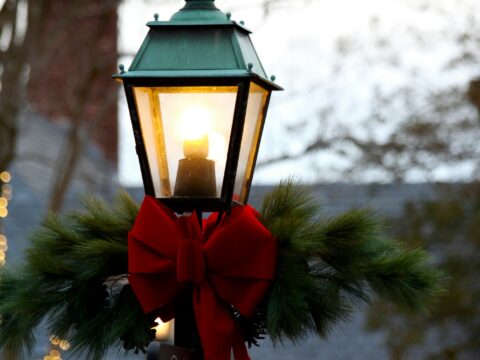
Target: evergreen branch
[
  {"x": 325, "y": 270},
  {"x": 407, "y": 279},
  {"x": 66, "y": 266}
]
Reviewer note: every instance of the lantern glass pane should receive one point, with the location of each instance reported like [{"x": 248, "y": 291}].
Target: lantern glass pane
[
  {"x": 186, "y": 132},
  {"x": 254, "y": 119}
]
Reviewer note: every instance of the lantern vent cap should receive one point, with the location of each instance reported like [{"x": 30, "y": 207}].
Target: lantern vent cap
[{"x": 199, "y": 11}]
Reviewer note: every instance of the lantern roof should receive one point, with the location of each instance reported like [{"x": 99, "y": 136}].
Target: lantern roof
[{"x": 199, "y": 41}]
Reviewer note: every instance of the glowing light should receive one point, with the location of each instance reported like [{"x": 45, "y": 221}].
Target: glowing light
[
  {"x": 64, "y": 345},
  {"x": 5, "y": 176},
  {"x": 162, "y": 330},
  {"x": 3, "y": 212},
  {"x": 47, "y": 357},
  {"x": 198, "y": 136},
  {"x": 195, "y": 123},
  {"x": 217, "y": 146},
  {"x": 3, "y": 248},
  {"x": 3, "y": 202},
  {"x": 55, "y": 353},
  {"x": 54, "y": 340}
]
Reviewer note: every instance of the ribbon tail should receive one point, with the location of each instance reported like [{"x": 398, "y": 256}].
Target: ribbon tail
[
  {"x": 239, "y": 349},
  {"x": 216, "y": 326}
]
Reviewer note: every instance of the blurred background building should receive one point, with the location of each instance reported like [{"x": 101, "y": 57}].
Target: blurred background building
[{"x": 381, "y": 110}]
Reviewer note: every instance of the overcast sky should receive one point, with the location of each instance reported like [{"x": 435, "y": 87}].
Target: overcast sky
[{"x": 302, "y": 43}]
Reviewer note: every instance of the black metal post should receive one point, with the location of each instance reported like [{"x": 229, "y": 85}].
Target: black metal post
[{"x": 186, "y": 333}]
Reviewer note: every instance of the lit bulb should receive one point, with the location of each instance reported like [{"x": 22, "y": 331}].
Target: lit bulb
[
  {"x": 54, "y": 340},
  {"x": 196, "y": 173},
  {"x": 196, "y": 148},
  {"x": 55, "y": 353},
  {"x": 195, "y": 127},
  {"x": 64, "y": 345},
  {"x": 5, "y": 176},
  {"x": 162, "y": 330}
]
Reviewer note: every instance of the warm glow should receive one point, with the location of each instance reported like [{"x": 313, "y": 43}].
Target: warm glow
[
  {"x": 195, "y": 123},
  {"x": 64, "y": 345},
  {"x": 54, "y": 340},
  {"x": 3, "y": 240},
  {"x": 199, "y": 138},
  {"x": 3, "y": 202},
  {"x": 2, "y": 255},
  {"x": 162, "y": 330},
  {"x": 3, "y": 212},
  {"x": 195, "y": 128},
  {"x": 217, "y": 146},
  {"x": 5, "y": 176},
  {"x": 55, "y": 353}
]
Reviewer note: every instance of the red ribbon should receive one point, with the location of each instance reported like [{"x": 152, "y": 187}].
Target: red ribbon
[{"x": 232, "y": 263}]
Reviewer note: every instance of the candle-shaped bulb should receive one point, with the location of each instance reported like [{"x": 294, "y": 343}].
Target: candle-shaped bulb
[
  {"x": 196, "y": 148},
  {"x": 196, "y": 173},
  {"x": 196, "y": 124}
]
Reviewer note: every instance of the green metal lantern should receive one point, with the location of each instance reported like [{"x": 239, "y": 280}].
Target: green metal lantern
[{"x": 198, "y": 97}]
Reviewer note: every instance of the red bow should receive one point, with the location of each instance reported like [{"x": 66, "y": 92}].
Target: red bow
[{"x": 232, "y": 263}]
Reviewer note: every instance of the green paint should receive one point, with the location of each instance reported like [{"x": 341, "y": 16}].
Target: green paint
[{"x": 198, "y": 41}]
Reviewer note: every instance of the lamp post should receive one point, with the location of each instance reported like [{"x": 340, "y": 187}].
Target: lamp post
[{"x": 198, "y": 97}]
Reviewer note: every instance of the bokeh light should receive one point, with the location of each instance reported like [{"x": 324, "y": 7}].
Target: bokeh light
[{"x": 5, "y": 176}]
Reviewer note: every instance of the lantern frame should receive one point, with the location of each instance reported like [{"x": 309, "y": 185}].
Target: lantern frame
[{"x": 163, "y": 62}]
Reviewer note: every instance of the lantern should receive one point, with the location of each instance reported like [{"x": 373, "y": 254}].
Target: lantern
[{"x": 198, "y": 97}]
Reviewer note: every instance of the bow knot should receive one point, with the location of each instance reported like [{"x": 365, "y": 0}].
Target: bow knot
[
  {"x": 190, "y": 261},
  {"x": 232, "y": 263}
]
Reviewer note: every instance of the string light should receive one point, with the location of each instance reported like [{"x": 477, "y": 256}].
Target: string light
[
  {"x": 5, "y": 196},
  {"x": 55, "y": 340},
  {"x": 5, "y": 176},
  {"x": 53, "y": 355},
  {"x": 64, "y": 345},
  {"x": 162, "y": 330},
  {"x": 59, "y": 344}
]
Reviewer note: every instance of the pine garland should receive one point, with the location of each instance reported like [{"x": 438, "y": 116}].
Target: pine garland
[{"x": 326, "y": 267}]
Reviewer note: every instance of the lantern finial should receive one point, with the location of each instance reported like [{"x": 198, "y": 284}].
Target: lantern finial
[{"x": 199, "y": 10}]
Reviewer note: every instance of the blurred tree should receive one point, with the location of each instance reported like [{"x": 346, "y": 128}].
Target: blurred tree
[
  {"x": 388, "y": 102},
  {"x": 58, "y": 57},
  {"x": 80, "y": 55},
  {"x": 449, "y": 228},
  {"x": 19, "y": 25}
]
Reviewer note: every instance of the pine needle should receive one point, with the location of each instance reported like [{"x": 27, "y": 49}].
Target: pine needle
[{"x": 326, "y": 268}]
